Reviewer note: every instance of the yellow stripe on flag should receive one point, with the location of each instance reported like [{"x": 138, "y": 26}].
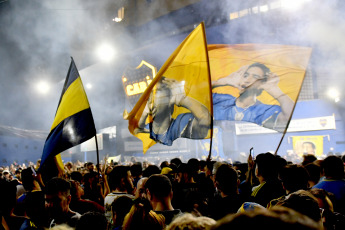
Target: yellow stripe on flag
[{"x": 73, "y": 101}]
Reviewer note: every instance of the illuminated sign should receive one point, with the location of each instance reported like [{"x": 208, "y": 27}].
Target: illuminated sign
[
  {"x": 140, "y": 78},
  {"x": 138, "y": 87}
]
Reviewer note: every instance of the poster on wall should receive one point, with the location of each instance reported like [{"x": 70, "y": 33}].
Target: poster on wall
[{"x": 308, "y": 145}]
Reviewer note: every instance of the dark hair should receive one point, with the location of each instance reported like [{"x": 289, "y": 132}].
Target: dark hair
[
  {"x": 333, "y": 167},
  {"x": 56, "y": 185},
  {"x": 314, "y": 172},
  {"x": 121, "y": 206},
  {"x": 176, "y": 161},
  {"x": 136, "y": 169},
  {"x": 34, "y": 204},
  {"x": 263, "y": 67},
  {"x": 303, "y": 202},
  {"x": 27, "y": 179},
  {"x": 92, "y": 220},
  {"x": 226, "y": 178},
  {"x": 276, "y": 218},
  {"x": 268, "y": 166},
  {"x": 150, "y": 170},
  {"x": 159, "y": 185},
  {"x": 294, "y": 177},
  {"x": 308, "y": 158},
  {"x": 75, "y": 175},
  {"x": 116, "y": 175}
]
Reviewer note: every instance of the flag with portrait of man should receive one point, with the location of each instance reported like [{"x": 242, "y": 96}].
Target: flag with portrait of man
[
  {"x": 257, "y": 83},
  {"x": 178, "y": 102}
]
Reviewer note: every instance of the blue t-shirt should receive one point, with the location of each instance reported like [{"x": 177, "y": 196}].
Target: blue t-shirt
[
  {"x": 179, "y": 127},
  {"x": 337, "y": 187},
  {"x": 224, "y": 108}
]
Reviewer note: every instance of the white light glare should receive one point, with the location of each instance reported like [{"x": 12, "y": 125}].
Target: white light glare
[
  {"x": 334, "y": 94},
  {"x": 106, "y": 52},
  {"x": 293, "y": 4},
  {"x": 43, "y": 87},
  {"x": 117, "y": 19},
  {"x": 88, "y": 86}
]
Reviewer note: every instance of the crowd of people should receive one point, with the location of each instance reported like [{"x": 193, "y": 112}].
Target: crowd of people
[{"x": 266, "y": 192}]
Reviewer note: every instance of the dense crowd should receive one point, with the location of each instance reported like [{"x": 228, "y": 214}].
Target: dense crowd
[{"x": 266, "y": 192}]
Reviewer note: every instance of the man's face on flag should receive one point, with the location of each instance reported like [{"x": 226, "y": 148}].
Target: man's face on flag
[{"x": 252, "y": 79}]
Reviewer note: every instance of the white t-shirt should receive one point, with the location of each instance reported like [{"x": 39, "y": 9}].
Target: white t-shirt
[{"x": 108, "y": 200}]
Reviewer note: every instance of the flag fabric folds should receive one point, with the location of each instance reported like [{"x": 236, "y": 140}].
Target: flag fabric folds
[
  {"x": 258, "y": 83},
  {"x": 73, "y": 123},
  {"x": 178, "y": 102}
]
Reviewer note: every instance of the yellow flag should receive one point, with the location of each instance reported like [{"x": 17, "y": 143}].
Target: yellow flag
[
  {"x": 178, "y": 102},
  {"x": 257, "y": 83}
]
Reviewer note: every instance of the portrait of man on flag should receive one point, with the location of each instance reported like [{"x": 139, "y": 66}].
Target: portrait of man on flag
[
  {"x": 168, "y": 95},
  {"x": 178, "y": 101},
  {"x": 263, "y": 86}
]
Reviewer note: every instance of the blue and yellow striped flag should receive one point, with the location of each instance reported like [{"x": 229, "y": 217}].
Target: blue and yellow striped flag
[{"x": 73, "y": 123}]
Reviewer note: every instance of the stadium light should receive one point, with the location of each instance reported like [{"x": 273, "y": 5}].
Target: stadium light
[
  {"x": 43, "y": 87},
  {"x": 334, "y": 94},
  {"x": 88, "y": 86},
  {"x": 106, "y": 52},
  {"x": 293, "y": 4}
]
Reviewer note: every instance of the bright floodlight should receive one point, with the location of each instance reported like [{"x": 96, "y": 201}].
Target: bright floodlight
[
  {"x": 334, "y": 94},
  {"x": 106, "y": 52},
  {"x": 293, "y": 4},
  {"x": 43, "y": 87},
  {"x": 88, "y": 86}
]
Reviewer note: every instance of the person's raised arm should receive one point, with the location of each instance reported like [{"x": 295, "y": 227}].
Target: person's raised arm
[
  {"x": 233, "y": 79},
  {"x": 286, "y": 104}
]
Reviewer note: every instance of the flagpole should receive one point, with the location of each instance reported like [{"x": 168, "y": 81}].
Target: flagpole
[
  {"x": 98, "y": 166},
  {"x": 210, "y": 92},
  {"x": 288, "y": 123}
]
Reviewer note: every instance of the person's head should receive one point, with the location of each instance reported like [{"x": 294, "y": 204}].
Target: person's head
[
  {"x": 164, "y": 164},
  {"x": 158, "y": 187},
  {"x": 90, "y": 166},
  {"x": 309, "y": 148},
  {"x": 121, "y": 179},
  {"x": 69, "y": 165},
  {"x": 333, "y": 167},
  {"x": 119, "y": 209},
  {"x": 76, "y": 190},
  {"x": 294, "y": 177},
  {"x": 34, "y": 204},
  {"x": 266, "y": 166},
  {"x": 323, "y": 198},
  {"x": 150, "y": 170},
  {"x": 303, "y": 202},
  {"x": 308, "y": 158},
  {"x": 57, "y": 196},
  {"x": 136, "y": 169},
  {"x": 75, "y": 175},
  {"x": 190, "y": 222},
  {"x": 92, "y": 221},
  {"x": 141, "y": 216},
  {"x": 226, "y": 179},
  {"x": 314, "y": 172},
  {"x": 176, "y": 161},
  {"x": 28, "y": 179},
  {"x": 276, "y": 218},
  {"x": 255, "y": 75},
  {"x": 140, "y": 192}
]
